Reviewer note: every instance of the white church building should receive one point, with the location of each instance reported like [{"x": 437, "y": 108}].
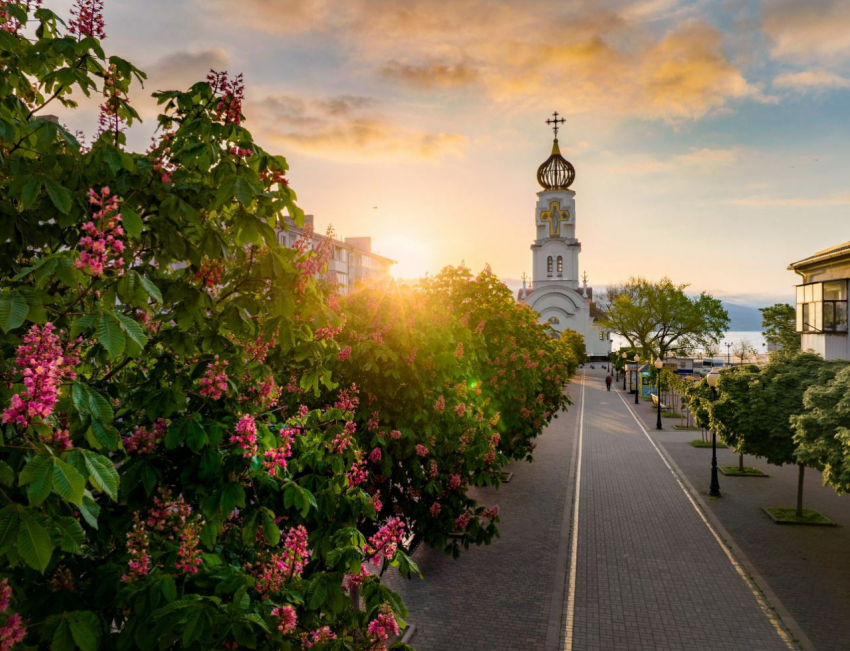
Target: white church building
[{"x": 555, "y": 293}]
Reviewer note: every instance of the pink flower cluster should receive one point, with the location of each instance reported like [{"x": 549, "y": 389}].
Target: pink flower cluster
[
  {"x": 358, "y": 473},
  {"x": 102, "y": 245},
  {"x": 454, "y": 481},
  {"x": 276, "y": 458},
  {"x": 214, "y": 383},
  {"x": 12, "y": 633},
  {"x": 351, "y": 581},
  {"x": 462, "y": 520},
  {"x": 87, "y": 20},
  {"x": 435, "y": 509},
  {"x": 242, "y": 153},
  {"x": 110, "y": 120},
  {"x": 143, "y": 441},
  {"x": 383, "y": 545},
  {"x": 459, "y": 350},
  {"x": 285, "y": 565},
  {"x": 311, "y": 261},
  {"x": 230, "y": 95},
  {"x": 492, "y": 513},
  {"x": 344, "y": 354},
  {"x": 44, "y": 365},
  {"x": 137, "y": 546},
  {"x": 440, "y": 405},
  {"x": 209, "y": 274},
  {"x": 375, "y": 455},
  {"x": 343, "y": 439},
  {"x": 5, "y": 595},
  {"x": 421, "y": 450},
  {"x": 383, "y": 626},
  {"x": 246, "y": 435},
  {"x": 323, "y": 634},
  {"x": 10, "y": 24},
  {"x": 189, "y": 553},
  {"x": 395, "y": 435},
  {"x": 348, "y": 400},
  {"x": 286, "y": 615}
]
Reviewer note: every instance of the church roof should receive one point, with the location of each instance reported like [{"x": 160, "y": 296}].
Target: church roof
[{"x": 556, "y": 172}]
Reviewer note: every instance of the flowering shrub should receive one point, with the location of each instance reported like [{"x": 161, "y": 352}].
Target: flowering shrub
[{"x": 155, "y": 490}]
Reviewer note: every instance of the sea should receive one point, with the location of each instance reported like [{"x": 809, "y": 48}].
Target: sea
[{"x": 733, "y": 337}]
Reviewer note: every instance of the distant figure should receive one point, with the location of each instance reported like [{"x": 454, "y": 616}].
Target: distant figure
[{"x": 608, "y": 381}]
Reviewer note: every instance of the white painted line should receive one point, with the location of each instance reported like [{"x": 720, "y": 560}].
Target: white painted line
[
  {"x": 768, "y": 612},
  {"x": 571, "y": 594}
]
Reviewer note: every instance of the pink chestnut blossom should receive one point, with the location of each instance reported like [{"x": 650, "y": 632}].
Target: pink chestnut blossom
[
  {"x": 246, "y": 435},
  {"x": 12, "y": 633},
  {"x": 286, "y": 615}
]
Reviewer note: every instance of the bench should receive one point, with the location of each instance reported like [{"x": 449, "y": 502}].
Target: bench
[{"x": 655, "y": 401}]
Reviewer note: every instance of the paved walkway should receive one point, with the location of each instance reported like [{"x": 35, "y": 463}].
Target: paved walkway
[{"x": 649, "y": 571}]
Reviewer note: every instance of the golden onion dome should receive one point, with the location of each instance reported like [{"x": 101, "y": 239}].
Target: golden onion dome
[{"x": 556, "y": 173}]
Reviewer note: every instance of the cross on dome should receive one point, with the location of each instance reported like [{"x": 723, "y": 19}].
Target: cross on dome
[{"x": 555, "y": 122}]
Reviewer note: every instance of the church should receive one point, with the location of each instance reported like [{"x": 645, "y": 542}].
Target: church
[{"x": 555, "y": 293}]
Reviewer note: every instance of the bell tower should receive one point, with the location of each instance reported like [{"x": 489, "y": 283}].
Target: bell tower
[{"x": 556, "y": 248}]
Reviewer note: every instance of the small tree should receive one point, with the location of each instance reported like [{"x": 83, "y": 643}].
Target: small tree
[
  {"x": 743, "y": 351},
  {"x": 778, "y": 322},
  {"x": 657, "y": 317},
  {"x": 755, "y": 405},
  {"x": 822, "y": 431}
]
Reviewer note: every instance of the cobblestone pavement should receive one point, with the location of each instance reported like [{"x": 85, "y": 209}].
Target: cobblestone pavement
[
  {"x": 807, "y": 567},
  {"x": 497, "y": 597},
  {"x": 650, "y": 573}
]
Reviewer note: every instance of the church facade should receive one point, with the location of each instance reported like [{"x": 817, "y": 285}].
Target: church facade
[{"x": 556, "y": 293}]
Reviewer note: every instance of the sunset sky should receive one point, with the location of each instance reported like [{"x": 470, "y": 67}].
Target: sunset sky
[{"x": 710, "y": 138}]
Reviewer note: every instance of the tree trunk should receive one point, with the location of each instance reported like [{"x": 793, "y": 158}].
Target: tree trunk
[
  {"x": 741, "y": 461},
  {"x": 800, "y": 491}
]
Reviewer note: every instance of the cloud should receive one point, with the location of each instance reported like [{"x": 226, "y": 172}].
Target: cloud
[
  {"x": 836, "y": 199},
  {"x": 703, "y": 160},
  {"x": 614, "y": 57},
  {"x": 810, "y": 30},
  {"x": 340, "y": 126},
  {"x": 180, "y": 70},
  {"x": 430, "y": 75},
  {"x": 815, "y": 79}
]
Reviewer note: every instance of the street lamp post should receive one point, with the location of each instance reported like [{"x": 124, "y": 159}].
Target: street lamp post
[
  {"x": 729, "y": 354},
  {"x": 714, "y": 489},
  {"x": 637, "y": 380},
  {"x": 625, "y": 371},
  {"x": 658, "y": 366}
]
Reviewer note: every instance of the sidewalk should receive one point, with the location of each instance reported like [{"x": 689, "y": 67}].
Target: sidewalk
[{"x": 807, "y": 567}]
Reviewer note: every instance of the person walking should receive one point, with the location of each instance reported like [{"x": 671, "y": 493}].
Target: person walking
[{"x": 608, "y": 381}]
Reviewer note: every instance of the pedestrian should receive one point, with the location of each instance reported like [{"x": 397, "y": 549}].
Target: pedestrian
[{"x": 608, "y": 381}]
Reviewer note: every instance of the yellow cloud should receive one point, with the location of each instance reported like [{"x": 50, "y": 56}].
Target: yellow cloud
[
  {"x": 701, "y": 159},
  {"x": 836, "y": 199},
  {"x": 808, "y": 30},
  {"x": 816, "y": 79},
  {"x": 430, "y": 75}
]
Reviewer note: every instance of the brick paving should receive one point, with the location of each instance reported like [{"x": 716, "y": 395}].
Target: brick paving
[
  {"x": 806, "y": 567},
  {"x": 650, "y": 575}
]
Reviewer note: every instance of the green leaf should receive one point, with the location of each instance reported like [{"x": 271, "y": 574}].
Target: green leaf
[
  {"x": 131, "y": 221},
  {"x": 105, "y": 435},
  {"x": 193, "y": 628},
  {"x": 13, "y": 310},
  {"x": 63, "y": 640},
  {"x": 86, "y": 629},
  {"x": 90, "y": 510},
  {"x": 30, "y": 191},
  {"x": 150, "y": 288},
  {"x": 133, "y": 330},
  {"x": 34, "y": 544},
  {"x": 112, "y": 156},
  {"x": 7, "y": 475},
  {"x": 318, "y": 594},
  {"x": 73, "y": 536},
  {"x": 169, "y": 589},
  {"x": 102, "y": 474},
  {"x": 83, "y": 324},
  {"x": 68, "y": 482},
  {"x": 110, "y": 335},
  {"x": 38, "y": 473},
  {"x": 59, "y": 195},
  {"x": 8, "y": 527},
  {"x": 271, "y": 532}
]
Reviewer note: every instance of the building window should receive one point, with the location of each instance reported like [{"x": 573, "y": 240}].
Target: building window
[
  {"x": 560, "y": 264},
  {"x": 601, "y": 335},
  {"x": 340, "y": 254},
  {"x": 822, "y": 307},
  {"x": 549, "y": 264},
  {"x": 554, "y": 320},
  {"x": 281, "y": 238}
]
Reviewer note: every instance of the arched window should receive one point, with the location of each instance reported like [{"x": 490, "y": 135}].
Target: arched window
[
  {"x": 549, "y": 264},
  {"x": 560, "y": 265},
  {"x": 554, "y": 320}
]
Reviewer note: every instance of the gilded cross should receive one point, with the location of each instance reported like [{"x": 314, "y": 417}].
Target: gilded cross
[
  {"x": 555, "y": 217},
  {"x": 555, "y": 122}
]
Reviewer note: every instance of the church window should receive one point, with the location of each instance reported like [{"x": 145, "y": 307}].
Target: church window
[
  {"x": 549, "y": 264},
  {"x": 554, "y": 320},
  {"x": 560, "y": 264}
]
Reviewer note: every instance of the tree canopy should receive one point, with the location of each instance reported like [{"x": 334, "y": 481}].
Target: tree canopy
[
  {"x": 778, "y": 323},
  {"x": 658, "y": 317}
]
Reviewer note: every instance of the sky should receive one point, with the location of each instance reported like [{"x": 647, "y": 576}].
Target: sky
[{"x": 709, "y": 138}]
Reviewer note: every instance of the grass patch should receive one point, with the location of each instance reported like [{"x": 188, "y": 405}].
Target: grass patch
[
  {"x": 670, "y": 414},
  {"x": 686, "y": 427},
  {"x": 789, "y": 516},
  {"x": 735, "y": 471},
  {"x": 706, "y": 444}
]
